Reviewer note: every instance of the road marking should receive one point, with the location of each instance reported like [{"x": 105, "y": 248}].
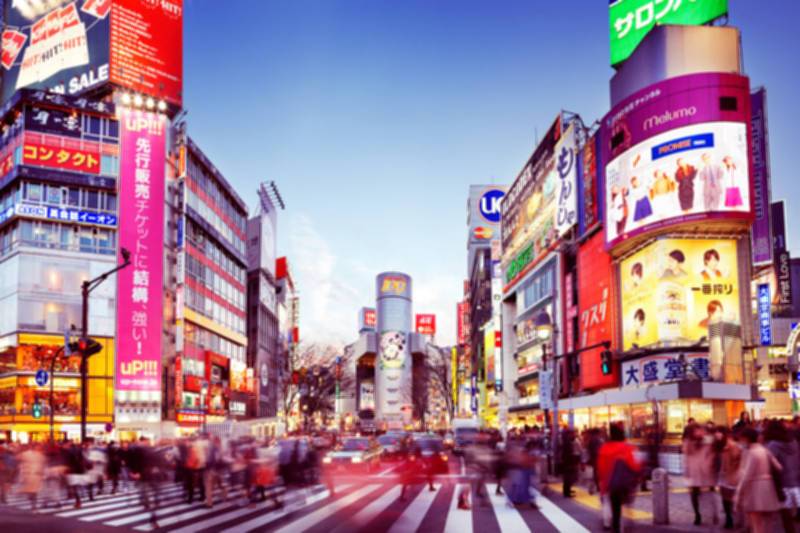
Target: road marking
[
  {"x": 373, "y": 509},
  {"x": 458, "y": 520},
  {"x": 274, "y": 515},
  {"x": 412, "y": 517},
  {"x": 463, "y": 467},
  {"x": 558, "y": 517},
  {"x": 105, "y": 507},
  {"x": 385, "y": 472},
  {"x": 507, "y": 515},
  {"x": 326, "y": 511},
  {"x": 106, "y": 500},
  {"x": 593, "y": 501}
]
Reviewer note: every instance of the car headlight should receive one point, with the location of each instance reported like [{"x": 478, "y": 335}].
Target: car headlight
[
  {"x": 326, "y": 459},
  {"x": 356, "y": 459}
]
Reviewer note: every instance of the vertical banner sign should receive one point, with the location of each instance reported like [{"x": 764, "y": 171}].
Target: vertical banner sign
[
  {"x": 762, "y": 236},
  {"x": 783, "y": 271},
  {"x": 455, "y": 376},
  {"x": 764, "y": 314},
  {"x": 141, "y": 231},
  {"x": 571, "y": 311}
]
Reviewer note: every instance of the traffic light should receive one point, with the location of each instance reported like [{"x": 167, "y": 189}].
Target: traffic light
[
  {"x": 85, "y": 346},
  {"x": 37, "y": 410},
  {"x": 606, "y": 362}
]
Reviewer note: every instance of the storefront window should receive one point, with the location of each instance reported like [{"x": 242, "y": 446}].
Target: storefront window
[
  {"x": 6, "y": 401},
  {"x": 702, "y": 412},
  {"x": 675, "y": 412},
  {"x": 643, "y": 420}
]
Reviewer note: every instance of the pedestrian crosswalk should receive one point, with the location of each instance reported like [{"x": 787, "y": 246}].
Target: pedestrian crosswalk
[{"x": 371, "y": 505}]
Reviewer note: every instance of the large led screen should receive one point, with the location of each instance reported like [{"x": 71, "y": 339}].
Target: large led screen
[
  {"x": 689, "y": 173},
  {"x": 672, "y": 289}
]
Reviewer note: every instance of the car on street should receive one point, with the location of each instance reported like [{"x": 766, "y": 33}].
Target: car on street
[
  {"x": 391, "y": 447},
  {"x": 355, "y": 453},
  {"x": 431, "y": 452}
]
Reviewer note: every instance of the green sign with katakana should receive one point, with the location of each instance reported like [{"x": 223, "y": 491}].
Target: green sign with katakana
[{"x": 630, "y": 20}]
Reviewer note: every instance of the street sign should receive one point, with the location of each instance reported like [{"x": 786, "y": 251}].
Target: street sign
[
  {"x": 41, "y": 377},
  {"x": 109, "y": 427},
  {"x": 546, "y": 389}
]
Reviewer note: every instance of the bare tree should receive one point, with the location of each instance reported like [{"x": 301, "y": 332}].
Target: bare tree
[
  {"x": 440, "y": 375},
  {"x": 311, "y": 379}
]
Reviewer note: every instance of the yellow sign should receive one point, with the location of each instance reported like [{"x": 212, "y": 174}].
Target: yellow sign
[{"x": 673, "y": 288}]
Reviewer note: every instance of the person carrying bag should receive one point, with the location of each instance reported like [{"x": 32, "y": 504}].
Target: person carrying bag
[{"x": 618, "y": 473}]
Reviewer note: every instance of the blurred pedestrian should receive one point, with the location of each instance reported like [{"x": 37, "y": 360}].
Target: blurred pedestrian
[
  {"x": 594, "y": 444},
  {"x": 96, "y": 461},
  {"x": 618, "y": 473},
  {"x": 755, "y": 493},
  {"x": 785, "y": 450},
  {"x": 698, "y": 458},
  {"x": 32, "y": 466},
  {"x": 571, "y": 453},
  {"x": 195, "y": 467},
  {"x": 114, "y": 465},
  {"x": 76, "y": 470},
  {"x": 730, "y": 459},
  {"x": 7, "y": 468}
]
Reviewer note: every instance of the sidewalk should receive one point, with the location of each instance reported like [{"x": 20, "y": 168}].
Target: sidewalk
[{"x": 640, "y": 511}]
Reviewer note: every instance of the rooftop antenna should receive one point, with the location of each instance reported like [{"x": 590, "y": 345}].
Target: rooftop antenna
[{"x": 269, "y": 196}]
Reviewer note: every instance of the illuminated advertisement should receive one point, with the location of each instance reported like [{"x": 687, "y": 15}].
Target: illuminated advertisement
[
  {"x": 393, "y": 362},
  {"x": 673, "y": 288},
  {"x": 61, "y": 156},
  {"x": 700, "y": 121},
  {"x": 483, "y": 219},
  {"x": 367, "y": 395},
  {"x": 685, "y": 174},
  {"x": 139, "y": 298},
  {"x": 68, "y": 46},
  {"x": 147, "y": 47},
  {"x": 366, "y": 319},
  {"x": 566, "y": 167},
  {"x": 425, "y": 324},
  {"x": 462, "y": 310},
  {"x": 630, "y": 20},
  {"x": 761, "y": 233},
  {"x": 488, "y": 354},
  {"x": 528, "y": 207},
  {"x": 589, "y": 162},
  {"x": 595, "y": 310}
]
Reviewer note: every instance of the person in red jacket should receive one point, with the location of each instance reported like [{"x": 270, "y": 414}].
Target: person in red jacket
[{"x": 612, "y": 451}]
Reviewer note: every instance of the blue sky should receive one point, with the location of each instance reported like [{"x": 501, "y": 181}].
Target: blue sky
[{"x": 374, "y": 117}]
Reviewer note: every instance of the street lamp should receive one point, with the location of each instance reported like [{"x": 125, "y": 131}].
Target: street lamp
[
  {"x": 87, "y": 287},
  {"x": 203, "y": 400},
  {"x": 544, "y": 331}
]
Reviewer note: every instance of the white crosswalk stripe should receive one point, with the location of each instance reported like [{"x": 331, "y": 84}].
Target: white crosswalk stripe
[
  {"x": 412, "y": 517},
  {"x": 308, "y": 508},
  {"x": 458, "y": 520},
  {"x": 310, "y": 520}
]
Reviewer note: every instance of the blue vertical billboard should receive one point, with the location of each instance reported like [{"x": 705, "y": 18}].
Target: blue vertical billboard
[{"x": 393, "y": 365}]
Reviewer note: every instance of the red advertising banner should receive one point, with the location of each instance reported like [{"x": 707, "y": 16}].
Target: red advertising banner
[
  {"x": 147, "y": 47},
  {"x": 425, "y": 324},
  {"x": 462, "y": 311},
  {"x": 141, "y": 223},
  {"x": 369, "y": 318},
  {"x": 178, "y": 380},
  {"x": 596, "y": 307},
  {"x": 61, "y": 157}
]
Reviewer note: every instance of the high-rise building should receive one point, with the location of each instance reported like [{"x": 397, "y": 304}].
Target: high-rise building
[{"x": 59, "y": 163}]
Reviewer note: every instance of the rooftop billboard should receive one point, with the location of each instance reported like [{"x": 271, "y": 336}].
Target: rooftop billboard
[
  {"x": 630, "y": 20},
  {"x": 70, "y": 46},
  {"x": 675, "y": 152}
]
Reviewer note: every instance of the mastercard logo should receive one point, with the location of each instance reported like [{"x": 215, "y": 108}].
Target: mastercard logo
[{"x": 483, "y": 233}]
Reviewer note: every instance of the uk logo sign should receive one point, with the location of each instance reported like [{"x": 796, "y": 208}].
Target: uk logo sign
[{"x": 489, "y": 205}]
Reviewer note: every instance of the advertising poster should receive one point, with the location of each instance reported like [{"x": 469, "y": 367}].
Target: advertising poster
[
  {"x": 589, "y": 212},
  {"x": 630, "y": 20},
  {"x": 595, "y": 310},
  {"x": 684, "y": 174},
  {"x": 139, "y": 299},
  {"x": 366, "y": 319},
  {"x": 147, "y": 47},
  {"x": 529, "y": 205},
  {"x": 673, "y": 288},
  {"x": 59, "y": 46},
  {"x": 761, "y": 231},
  {"x": 488, "y": 354},
  {"x": 462, "y": 310}
]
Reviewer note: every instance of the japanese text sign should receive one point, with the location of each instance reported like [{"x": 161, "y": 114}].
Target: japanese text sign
[
  {"x": 673, "y": 288},
  {"x": 764, "y": 314},
  {"x": 425, "y": 324},
  {"x": 61, "y": 157},
  {"x": 630, "y": 20},
  {"x": 666, "y": 367},
  {"x": 761, "y": 231},
  {"x": 141, "y": 225}
]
